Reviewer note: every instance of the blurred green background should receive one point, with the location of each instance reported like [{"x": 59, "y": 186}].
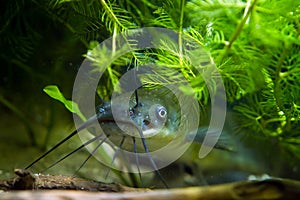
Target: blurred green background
[{"x": 36, "y": 50}]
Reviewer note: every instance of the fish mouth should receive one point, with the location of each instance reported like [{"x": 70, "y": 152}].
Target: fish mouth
[{"x": 149, "y": 129}]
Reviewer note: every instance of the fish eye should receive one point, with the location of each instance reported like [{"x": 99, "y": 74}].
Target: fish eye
[{"x": 161, "y": 112}]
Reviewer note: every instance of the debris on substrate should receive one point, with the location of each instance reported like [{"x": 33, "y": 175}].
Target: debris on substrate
[{"x": 27, "y": 186}]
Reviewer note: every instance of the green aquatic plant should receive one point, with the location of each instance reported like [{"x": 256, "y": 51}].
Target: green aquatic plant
[
  {"x": 55, "y": 93},
  {"x": 254, "y": 44}
]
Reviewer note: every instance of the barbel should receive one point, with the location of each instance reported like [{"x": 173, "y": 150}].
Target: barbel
[
  {"x": 138, "y": 120},
  {"x": 150, "y": 119}
]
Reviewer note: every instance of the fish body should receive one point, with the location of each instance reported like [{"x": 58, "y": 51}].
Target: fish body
[{"x": 138, "y": 128}]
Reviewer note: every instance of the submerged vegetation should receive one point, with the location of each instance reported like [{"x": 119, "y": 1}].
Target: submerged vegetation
[{"x": 255, "y": 45}]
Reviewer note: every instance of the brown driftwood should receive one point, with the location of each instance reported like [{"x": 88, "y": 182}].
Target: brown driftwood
[
  {"x": 258, "y": 189},
  {"x": 27, "y": 181}
]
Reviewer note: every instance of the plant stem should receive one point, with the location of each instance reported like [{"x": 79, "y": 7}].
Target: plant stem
[
  {"x": 182, "y": 3},
  {"x": 237, "y": 31},
  {"x": 277, "y": 88},
  {"x": 112, "y": 15},
  {"x": 49, "y": 127}
]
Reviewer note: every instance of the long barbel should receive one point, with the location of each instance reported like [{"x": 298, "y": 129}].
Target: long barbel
[
  {"x": 104, "y": 116},
  {"x": 137, "y": 118}
]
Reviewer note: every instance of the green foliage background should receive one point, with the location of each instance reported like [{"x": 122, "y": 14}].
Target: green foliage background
[{"x": 255, "y": 45}]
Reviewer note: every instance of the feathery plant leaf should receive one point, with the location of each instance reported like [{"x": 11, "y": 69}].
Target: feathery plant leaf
[
  {"x": 255, "y": 45},
  {"x": 115, "y": 18}
]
